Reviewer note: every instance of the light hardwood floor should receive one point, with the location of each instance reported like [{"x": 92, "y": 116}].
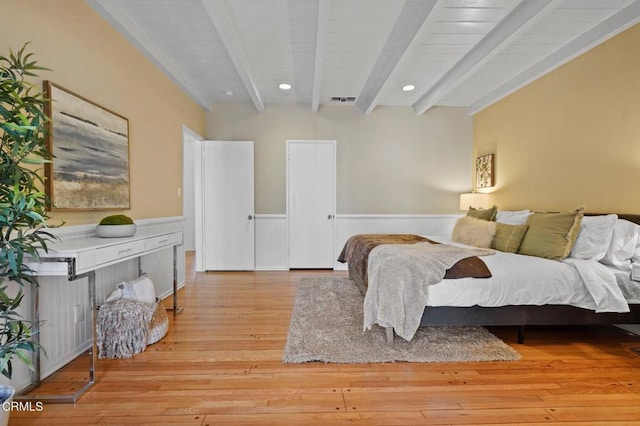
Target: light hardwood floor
[{"x": 221, "y": 364}]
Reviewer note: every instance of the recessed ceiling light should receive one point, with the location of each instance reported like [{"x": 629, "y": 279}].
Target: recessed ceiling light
[
  {"x": 284, "y": 86},
  {"x": 408, "y": 88},
  {"x": 228, "y": 93}
]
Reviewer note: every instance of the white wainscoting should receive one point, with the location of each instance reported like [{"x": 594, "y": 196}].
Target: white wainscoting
[
  {"x": 61, "y": 336},
  {"x": 272, "y": 238},
  {"x": 272, "y": 242},
  {"x": 272, "y": 233},
  {"x": 420, "y": 224}
]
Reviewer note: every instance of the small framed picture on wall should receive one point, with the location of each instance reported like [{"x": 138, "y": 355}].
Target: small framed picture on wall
[{"x": 484, "y": 171}]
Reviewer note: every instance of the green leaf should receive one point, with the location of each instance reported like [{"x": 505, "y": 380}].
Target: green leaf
[
  {"x": 23, "y": 204},
  {"x": 26, "y": 360}
]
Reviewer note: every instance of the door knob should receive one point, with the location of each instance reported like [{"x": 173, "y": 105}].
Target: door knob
[
  {"x": 250, "y": 217},
  {"x": 330, "y": 216}
]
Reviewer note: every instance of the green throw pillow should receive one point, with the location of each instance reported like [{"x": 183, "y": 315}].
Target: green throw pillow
[
  {"x": 483, "y": 214},
  {"x": 508, "y": 237},
  {"x": 551, "y": 235}
]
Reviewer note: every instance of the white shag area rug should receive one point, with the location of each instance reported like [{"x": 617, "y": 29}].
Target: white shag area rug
[{"x": 326, "y": 325}]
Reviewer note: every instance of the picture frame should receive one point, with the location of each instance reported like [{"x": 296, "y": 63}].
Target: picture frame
[
  {"x": 485, "y": 176},
  {"x": 90, "y": 144}
]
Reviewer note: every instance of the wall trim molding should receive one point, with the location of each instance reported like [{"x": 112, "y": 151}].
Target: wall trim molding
[
  {"x": 399, "y": 216},
  {"x": 90, "y": 228},
  {"x": 73, "y": 232}
]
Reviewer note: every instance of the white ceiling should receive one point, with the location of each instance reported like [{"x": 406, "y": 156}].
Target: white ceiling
[{"x": 467, "y": 53}]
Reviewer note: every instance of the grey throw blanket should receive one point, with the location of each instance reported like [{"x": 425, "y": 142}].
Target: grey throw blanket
[{"x": 399, "y": 278}]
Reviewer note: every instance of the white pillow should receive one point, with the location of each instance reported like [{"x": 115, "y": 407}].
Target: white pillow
[
  {"x": 594, "y": 237},
  {"x": 144, "y": 289},
  {"x": 474, "y": 232},
  {"x": 141, "y": 289},
  {"x": 622, "y": 246},
  {"x": 513, "y": 218},
  {"x": 636, "y": 253}
]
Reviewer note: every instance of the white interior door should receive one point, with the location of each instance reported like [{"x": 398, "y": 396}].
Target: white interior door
[
  {"x": 311, "y": 203},
  {"x": 228, "y": 207}
]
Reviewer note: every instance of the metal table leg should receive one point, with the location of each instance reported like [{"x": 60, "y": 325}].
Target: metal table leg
[
  {"x": 176, "y": 310},
  {"x": 93, "y": 354}
]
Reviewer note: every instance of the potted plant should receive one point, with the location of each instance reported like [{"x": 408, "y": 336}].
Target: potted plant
[
  {"x": 116, "y": 226},
  {"x": 23, "y": 204}
]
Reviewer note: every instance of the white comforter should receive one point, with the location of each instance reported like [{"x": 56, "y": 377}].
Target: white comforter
[{"x": 528, "y": 280}]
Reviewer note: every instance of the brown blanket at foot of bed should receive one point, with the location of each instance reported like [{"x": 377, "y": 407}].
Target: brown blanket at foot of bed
[{"x": 356, "y": 253}]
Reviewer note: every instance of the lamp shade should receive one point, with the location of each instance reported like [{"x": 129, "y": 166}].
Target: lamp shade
[{"x": 474, "y": 199}]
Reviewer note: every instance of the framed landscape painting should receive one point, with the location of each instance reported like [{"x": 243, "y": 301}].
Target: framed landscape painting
[{"x": 90, "y": 144}]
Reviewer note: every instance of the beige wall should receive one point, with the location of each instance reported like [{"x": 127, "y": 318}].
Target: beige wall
[
  {"x": 390, "y": 161},
  {"x": 90, "y": 58},
  {"x": 572, "y": 137}
]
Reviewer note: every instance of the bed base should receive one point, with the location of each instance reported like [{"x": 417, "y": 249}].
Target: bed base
[
  {"x": 513, "y": 315},
  {"x": 523, "y": 315},
  {"x": 520, "y": 316}
]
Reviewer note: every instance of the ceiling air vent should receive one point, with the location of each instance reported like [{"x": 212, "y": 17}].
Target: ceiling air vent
[{"x": 343, "y": 99}]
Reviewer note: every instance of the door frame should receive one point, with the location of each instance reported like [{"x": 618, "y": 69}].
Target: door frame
[
  {"x": 190, "y": 145},
  {"x": 335, "y": 188},
  {"x": 198, "y": 188}
]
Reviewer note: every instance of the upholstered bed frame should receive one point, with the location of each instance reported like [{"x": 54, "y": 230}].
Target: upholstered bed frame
[{"x": 520, "y": 315}]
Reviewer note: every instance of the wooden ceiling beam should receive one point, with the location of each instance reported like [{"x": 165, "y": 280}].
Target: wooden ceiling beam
[
  {"x": 411, "y": 18},
  {"x": 521, "y": 18},
  {"x": 220, "y": 16},
  {"x": 321, "y": 32}
]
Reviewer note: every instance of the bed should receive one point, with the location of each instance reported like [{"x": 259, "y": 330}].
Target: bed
[{"x": 464, "y": 300}]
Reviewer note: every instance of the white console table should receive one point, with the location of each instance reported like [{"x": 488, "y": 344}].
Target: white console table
[{"x": 81, "y": 258}]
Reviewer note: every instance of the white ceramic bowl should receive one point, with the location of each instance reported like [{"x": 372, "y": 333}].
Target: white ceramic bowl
[{"x": 115, "y": 231}]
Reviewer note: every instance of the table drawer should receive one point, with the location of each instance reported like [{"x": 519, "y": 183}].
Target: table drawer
[
  {"x": 163, "y": 241},
  {"x": 89, "y": 259}
]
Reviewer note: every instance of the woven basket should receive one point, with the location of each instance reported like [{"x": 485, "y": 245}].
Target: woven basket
[
  {"x": 121, "y": 329},
  {"x": 159, "y": 325}
]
